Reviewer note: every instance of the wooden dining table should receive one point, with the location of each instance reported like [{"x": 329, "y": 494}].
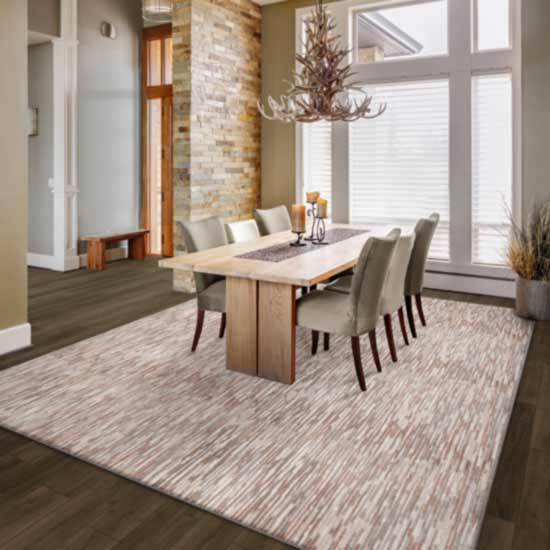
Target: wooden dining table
[{"x": 262, "y": 280}]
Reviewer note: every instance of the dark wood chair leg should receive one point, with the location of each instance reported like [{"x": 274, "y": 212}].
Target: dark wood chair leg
[
  {"x": 389, "y": 334},
  {"x": 356, "y": 347},
  {"x": 374, "y": 349},
  {"x": 326, "y": 341},
  {"x": 403, "y": 327},
  {"x": 314, "y": 341},
  {"x": 198, "y": 329},
  {"x": 222, "y": 324},
  {"x": 409, "y": 306},
  {"x": 418, "y": 300}
]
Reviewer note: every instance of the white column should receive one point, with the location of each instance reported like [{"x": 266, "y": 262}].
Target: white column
[{"x": 64, "y": 184}]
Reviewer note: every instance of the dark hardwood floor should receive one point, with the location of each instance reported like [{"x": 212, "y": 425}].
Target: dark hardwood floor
[{"x": 49, "y": 500}]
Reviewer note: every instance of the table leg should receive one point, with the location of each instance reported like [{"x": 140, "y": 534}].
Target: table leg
[
  {"x": 136, "y": 248},
  {"x": 96, "y": 255},
  {"x": 277, "y": 332},
  {"x": 242, "y": 325}
]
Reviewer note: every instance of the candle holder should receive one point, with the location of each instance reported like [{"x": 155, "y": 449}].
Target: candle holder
[
  {"x": 321, "y": 232},
  {"x": 298, "y": 241},
  {"x": 312, "y": 213}
]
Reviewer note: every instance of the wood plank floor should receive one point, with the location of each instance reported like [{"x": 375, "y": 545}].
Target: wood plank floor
[{"x": 50, "y": 500}]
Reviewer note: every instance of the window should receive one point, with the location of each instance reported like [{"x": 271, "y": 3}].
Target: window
[
  {"x": 317, "y": 168},
  {"x": 418, "y": 30},
  {"x": 492, "y": 25},
  {"x": 492, "y": 166},
  {"x": 399, "y": 163}
]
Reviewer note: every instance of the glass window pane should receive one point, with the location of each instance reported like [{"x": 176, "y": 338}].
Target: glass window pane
[
  {"x": 492, "y": 167},
  {"x": 154, "y": 64},
  {"x": 154, "y": 166},
  {"x": 317, "y": 158},
  {"x": 418, "y": 30},
  {"x": 399, "y": 163},
  {"x": 493, "y": 24},
  {"x": 168, "y": 61}
]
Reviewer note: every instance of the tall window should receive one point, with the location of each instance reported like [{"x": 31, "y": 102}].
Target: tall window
[
  {"x": 448, "y": 71},
  {"x": 399, "y": 164}
]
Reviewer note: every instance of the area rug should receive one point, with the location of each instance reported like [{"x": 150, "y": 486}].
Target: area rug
[{"x": 320, "y": 465}]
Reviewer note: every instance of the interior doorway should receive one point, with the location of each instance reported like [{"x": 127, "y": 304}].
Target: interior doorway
[{"x": 157, "y": 192}]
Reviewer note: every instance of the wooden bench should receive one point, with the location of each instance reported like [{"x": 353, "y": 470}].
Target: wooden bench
[{"x": 97, "y": 244}]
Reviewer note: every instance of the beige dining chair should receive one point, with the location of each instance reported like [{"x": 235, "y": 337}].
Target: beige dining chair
[
  {"x": 414, "y": 281},
  {"x": 273, "y": 220},
  {"x": 243, "y": 231},
  {"x": 202, "y": 235},
  {"x": 391, "y": 301},
  {"x": 356, "y": 313}
]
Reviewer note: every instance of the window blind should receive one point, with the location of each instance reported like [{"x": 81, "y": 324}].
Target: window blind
[
  {"x": 399, "y": 163},
  {"x": 317, "y": 147},
  {"x": 491, "y": 167}
]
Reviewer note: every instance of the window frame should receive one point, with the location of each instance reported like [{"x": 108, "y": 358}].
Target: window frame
[{"x": 460, "y": 65}]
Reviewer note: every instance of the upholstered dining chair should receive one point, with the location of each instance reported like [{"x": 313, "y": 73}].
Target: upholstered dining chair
[
  {"x": 240, "y": 232},
  {"x": 202, "y": 235},
  {"x": 391, "y": 301},
  {"x": 356, "y": 313},
  {"x": 273, "y": 220},
  {"x": 414, "y": 282}
]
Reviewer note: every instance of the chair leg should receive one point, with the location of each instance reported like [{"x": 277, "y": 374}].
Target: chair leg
[
  {"x": 418, "y": 300},
  {"x": 403, "y": 327},
  {"x": 314, "y": 341},
  {"x": 222, "y": 324},
  {"x": 356, "y": 347},
  {"x": 198, "y": 329},
  {"x": 409, "y": 305},
  {"x": 389, "y": 334},
  {"x": 305, "y": 290},
  {"x": 326, "y": 341},
  {"x": 374, "y": 349}
]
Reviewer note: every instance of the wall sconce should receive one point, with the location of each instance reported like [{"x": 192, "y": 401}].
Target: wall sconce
[{"x": 108, "y": 30}]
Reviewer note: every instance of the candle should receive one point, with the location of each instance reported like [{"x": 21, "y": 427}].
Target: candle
[
  {"x": 298, "y": 217},
  {"x": 313, "y": 196},
  {"x": 322, "y": 208}
]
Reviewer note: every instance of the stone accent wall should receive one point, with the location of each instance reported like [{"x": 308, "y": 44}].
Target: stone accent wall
[{"x": 217, "y": 127}]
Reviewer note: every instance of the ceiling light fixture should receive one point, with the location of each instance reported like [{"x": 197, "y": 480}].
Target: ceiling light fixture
[{"x": 321, "y": 87}]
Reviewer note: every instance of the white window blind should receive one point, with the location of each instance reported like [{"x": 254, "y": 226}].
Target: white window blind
[
  {"x": 492, "y": 167},
  {"x": 399, "y": 163},
  {"x": 317, "y": 158}
]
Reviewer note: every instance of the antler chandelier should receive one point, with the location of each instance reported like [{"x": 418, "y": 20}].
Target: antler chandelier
[{"x": 320, "y": 89}]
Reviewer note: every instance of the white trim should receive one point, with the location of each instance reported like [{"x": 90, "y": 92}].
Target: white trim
[
  {"x": 43, "y": 261},
  {"x": 15, "y": 338},
  {"x": 470, "y": 285}
]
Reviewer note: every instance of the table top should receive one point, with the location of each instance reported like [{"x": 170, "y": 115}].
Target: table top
[{"x": 309, "y": 268}]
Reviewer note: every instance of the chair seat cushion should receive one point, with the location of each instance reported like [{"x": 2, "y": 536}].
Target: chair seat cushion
[
  {"x": 213, "y": 297},
  {"x": 342, "y": 285},
  {"x": 326, "y": 312}
]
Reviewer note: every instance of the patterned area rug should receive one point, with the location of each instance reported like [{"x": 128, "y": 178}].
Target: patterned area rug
[{"x": 407, "y": 465}]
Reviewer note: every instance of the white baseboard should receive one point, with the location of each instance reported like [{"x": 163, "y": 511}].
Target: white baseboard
[
  {"x": 15, "y": 338},
  {"x": 44, "y": 261},
  {"x": 502, "y": 288},
  {"x": 111, "y": 255}
]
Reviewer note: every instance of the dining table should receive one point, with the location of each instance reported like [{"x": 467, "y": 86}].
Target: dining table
[{"x": 263, "y": 279}]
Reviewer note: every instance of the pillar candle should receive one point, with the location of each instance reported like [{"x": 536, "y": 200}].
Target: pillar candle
[
  {"x": 298, "y": 216},
  {"x": 322, "y": 208},
  {"x": 313, "y": 196}
]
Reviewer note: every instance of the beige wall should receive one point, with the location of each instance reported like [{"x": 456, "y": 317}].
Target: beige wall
[
  {"x": 536, "y": 102},
  {"x": 44, "y": 16},
  {"x": 13, "y": 163},
  {"x": 278, "y": 145}
]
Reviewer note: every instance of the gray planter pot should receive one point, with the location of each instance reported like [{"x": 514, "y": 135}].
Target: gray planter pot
[{"x": 533, "y": 299}]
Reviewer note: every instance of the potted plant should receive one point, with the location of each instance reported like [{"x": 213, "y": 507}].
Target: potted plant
[{"x": 529, "y": 257}]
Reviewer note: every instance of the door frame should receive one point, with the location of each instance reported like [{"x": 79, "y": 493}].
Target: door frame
[{"x": 164, "y": 92}]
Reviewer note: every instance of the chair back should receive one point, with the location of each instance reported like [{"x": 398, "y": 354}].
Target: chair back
[
  {"x": 202, "y": 235},
  {"x": 394, "y": 286},
  {"x": 240, "y": 232},
  {"x": 368, "y": 281},
  {"x": 424, "y": 232},
  {"x": 273, "y": 220}
]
